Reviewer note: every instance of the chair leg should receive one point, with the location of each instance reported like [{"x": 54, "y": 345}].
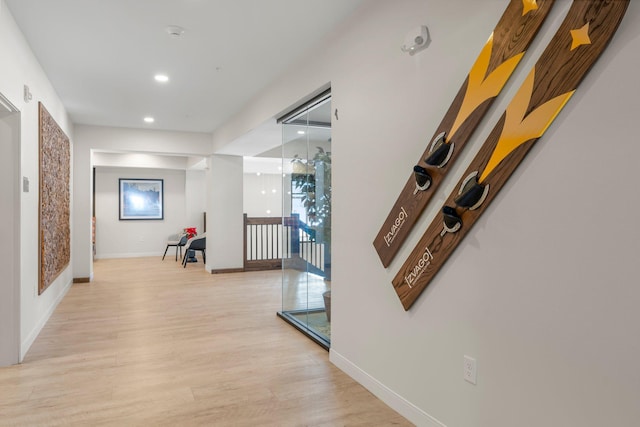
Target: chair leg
[
  {"x": 184, "y": 260},
  {"x": 204, "y": 256},
  {"x": 165, "y": 252}
]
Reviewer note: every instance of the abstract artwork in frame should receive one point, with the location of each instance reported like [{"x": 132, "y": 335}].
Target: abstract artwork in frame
[
  {"x": 55, "y": 211},
  {"x": 141, "y": 199}
]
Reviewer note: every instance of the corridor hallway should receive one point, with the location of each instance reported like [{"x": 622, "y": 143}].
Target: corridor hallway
[{"x": 150, "y": 343}]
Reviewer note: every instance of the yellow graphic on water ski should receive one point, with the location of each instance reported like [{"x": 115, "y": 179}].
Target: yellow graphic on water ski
[
  {"x": 580, "y": 36},
  {"x": 482, "y": 87},
  {"x": 519, "y": 129},
  {"x": 528, "y": 6}
]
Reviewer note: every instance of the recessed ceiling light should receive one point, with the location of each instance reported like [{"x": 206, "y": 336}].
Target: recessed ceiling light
[
  {"x": 300, "y": 132},
  {"x": 162, "y": 78},
  {"x": 149, "y": 119}
]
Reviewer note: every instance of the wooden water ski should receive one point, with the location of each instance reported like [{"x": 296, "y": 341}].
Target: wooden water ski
[
  {"x": 498, "y": 59},
  {"x": 576, "y": 46}
]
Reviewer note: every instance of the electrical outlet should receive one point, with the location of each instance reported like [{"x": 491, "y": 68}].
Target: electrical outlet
[{"x": 469, "y": 372}]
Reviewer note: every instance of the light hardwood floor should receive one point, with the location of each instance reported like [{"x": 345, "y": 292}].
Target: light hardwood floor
[{"x": 150, "y": 343}]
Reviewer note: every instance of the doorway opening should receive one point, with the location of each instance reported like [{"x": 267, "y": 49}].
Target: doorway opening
[{"x": 10, "y": 230}]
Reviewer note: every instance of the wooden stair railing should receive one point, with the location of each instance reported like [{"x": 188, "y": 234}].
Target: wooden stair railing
[{"x": 269, "y": 240}]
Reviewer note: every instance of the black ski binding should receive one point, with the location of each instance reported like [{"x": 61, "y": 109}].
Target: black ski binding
[
  {"x": 452, "y": 221},
  {"x": 440, "y": 151},
  {"x": 423, "y": 179},
  {"x": 472, "y": 194}
]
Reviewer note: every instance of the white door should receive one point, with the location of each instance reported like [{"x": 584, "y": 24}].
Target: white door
[{"x": 9, "y": 234}]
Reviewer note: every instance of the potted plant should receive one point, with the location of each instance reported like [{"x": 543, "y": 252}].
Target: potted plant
[
  {"x": 313, "y": 179},
  {"x": 191, "y": 232},
  {"x": 315, "y": 186}
]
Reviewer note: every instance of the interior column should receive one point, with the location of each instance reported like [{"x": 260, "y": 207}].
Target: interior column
[{"x": 225, "y": 232}]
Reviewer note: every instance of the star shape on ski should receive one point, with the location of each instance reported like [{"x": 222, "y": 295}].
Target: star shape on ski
[
  {"x": 528, "y": 6},
  {"x": 580, "y": 36}
]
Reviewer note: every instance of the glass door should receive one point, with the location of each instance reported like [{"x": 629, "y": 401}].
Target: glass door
[{"x": 306, "y": 269}]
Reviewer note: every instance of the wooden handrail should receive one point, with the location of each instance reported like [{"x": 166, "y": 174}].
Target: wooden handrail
[{"x": 269, "y": 240}]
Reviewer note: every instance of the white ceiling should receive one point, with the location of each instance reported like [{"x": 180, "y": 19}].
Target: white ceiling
[{"x": 101, "y": 55}]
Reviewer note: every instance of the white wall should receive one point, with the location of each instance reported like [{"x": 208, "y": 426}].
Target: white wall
[
  {"x": 543, "y": 291},
  {"x": 138, "y": 160},
  {"x": 195, "y": 198},
  {"x": 134, "y": 238},
  {"x": 224, "y": 213},
  {"x": 263, "y": 194},
  {"x": 19, "y": 68}
]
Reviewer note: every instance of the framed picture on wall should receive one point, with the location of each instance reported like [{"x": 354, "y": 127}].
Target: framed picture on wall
[{"x": 141, "y": 199}]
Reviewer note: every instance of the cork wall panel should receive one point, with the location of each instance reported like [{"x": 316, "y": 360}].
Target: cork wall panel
[{"x": 54, "y": 216}]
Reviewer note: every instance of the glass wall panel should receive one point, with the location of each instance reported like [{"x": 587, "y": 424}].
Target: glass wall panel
[{"x": 306, "y": 272}]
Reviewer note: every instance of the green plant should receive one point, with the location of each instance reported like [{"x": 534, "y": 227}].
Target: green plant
[{"x": 315, "y": 186}]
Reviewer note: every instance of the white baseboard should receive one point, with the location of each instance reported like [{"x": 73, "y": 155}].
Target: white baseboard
[
  {"x": 382, "y": 392},
  {"x": 29, "y": 340}
]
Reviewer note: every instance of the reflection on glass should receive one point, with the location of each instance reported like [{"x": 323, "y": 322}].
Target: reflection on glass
[{"x": 306, "y": 278}]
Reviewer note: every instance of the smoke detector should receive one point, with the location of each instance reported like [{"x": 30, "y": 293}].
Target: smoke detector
[{"x": 174, "y": 31}]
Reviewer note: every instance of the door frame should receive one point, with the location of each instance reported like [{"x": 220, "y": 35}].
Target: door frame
[{"x": 10, "y": 189}]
